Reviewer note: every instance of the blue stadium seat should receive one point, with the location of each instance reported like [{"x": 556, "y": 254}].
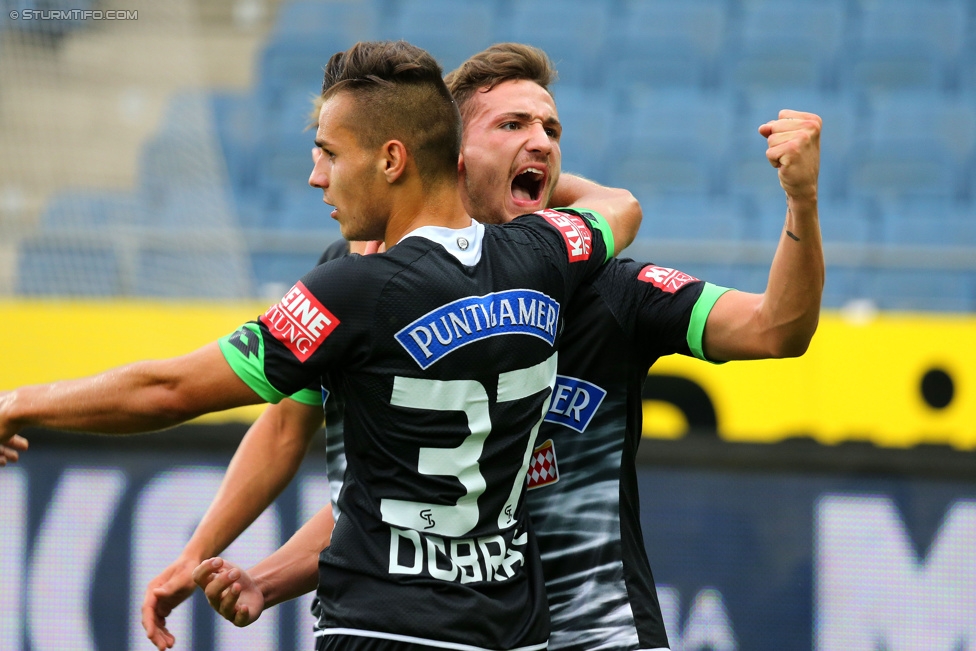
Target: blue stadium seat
[
  {"x": 891, "y": 170},
  {"x": 920, "y": 290},
  {"x": 704, "y": 118},
  {"x": 300, "y": 209},
  {"x": 674, "y": 141},
  {"x": 177, "y": 273},
  {"x": 81, "y": 210},
  {"x": 451, "y": 31},
  {"x": 288, "y": 161},
  {"x": 235, "y": 123},
  {"x": 192, "y": 209},
  {"x": 573, "y": 33},
  {"x": 351, "y": 21},
  {"x": 906, "y": 44},
  {"x": 690, "y": 217},
  {"x": 841, "y": 285},
  {"x": 294, "y": 65},
  {"x": 666, "y": 43},
  {"x": 587, "y": 116},
  {"x": 656, "y": 168},
  {"x": 938, "y": 222},
  {"x": 770, "y": 52},
  {"x": 275, "y": 272},
  {"x": 55, "y": 266},
  {"x": 920, "y": 120}
]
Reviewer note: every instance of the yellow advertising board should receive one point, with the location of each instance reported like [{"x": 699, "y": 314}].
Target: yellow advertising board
[{"x": 897, "y": 380}]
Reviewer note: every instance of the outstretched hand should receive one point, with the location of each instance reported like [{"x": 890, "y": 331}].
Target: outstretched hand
[
  {"x": 794, "y": 149},
  {"x": 165, "y": 592},
  {"x": 11, "y": 443},
  {"x": 10, "y": 449},
  {"x": 230, "y": 590}
]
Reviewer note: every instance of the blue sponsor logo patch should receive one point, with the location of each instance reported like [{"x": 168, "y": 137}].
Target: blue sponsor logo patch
[
  {"x": 457, "y": 324},
  {"x": 574, "y": 402}
]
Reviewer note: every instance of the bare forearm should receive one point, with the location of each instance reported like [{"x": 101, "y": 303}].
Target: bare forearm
[
  {"x": 617, "y": 205},
  {"x": 266, "y": 460},
  {"x": 791, "y": 303},
  {"x": 293, "y": 569},
  {"x": 140, "y": 397}
]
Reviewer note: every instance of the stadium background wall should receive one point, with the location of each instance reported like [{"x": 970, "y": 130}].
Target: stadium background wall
[{"x": 895, "y": 380}]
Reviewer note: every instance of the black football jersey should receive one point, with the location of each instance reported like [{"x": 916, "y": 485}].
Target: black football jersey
[
  {"x": 444, "y": 347},
  {"x": 582, "y": 495}
]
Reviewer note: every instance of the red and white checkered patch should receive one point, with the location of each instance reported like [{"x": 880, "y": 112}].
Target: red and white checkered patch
[
  {"x": 542, "y": 466},
  {"x": 579, "y": 240},
  {"x": 300, "y": 321},
  {"x": 665, "y": 278}
]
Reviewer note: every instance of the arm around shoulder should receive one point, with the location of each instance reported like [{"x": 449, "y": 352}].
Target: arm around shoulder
[
  {"x": 140, "y": 397},
  {"x": 618, "y": 206}
]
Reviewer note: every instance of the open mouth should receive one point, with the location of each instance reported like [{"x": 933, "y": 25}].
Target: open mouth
[{"x": 527, "y": 184}]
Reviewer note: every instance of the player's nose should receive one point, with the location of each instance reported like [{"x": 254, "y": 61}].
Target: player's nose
[{"x": 539, "y": 140}]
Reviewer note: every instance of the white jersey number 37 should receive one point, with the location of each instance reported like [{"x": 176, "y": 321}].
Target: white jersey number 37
[{"x": 462, "y": 462}]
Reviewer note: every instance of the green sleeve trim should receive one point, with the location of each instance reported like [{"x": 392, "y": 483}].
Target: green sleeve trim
[
  {"x": 309, "y": 397},
  {"x": 699, "y": 315},
  {"x": 601, "y": 224},
  {"x": 244, "y": 351}
]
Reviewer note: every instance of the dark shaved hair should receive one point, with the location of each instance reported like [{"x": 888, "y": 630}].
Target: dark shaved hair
[
  {"x": 499, "y": 63},
  {"x": 399, "y": 94}
]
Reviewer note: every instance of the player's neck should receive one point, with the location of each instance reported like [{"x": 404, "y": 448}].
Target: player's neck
[{"x": 436, "y": 206}]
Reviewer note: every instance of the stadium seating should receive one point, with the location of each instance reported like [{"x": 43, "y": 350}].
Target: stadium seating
[
  {"x": 80, "y": 210},
  {"x": 173, "y": 272},
  {"x": 587, "y": 117},
  {"x": 887, "y": 170},
  {"x": 920, "y": 289},
  {"x": 691, "y": 217},
  {"x": 666, "y": 43},
  {"x": 573, "y": 33},
  {"x": 313, "y": 19},
  {"x": 662, "y": 97},
  {"x": 422, "y": 22},
  {"x": 928, "y": 222},
  {"x": 905, "y": 44},
  {"x": 769, "y": 52},
  {"x": 52, "y": 265}
]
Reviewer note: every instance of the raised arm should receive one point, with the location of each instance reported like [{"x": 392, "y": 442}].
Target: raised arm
[
  {"x": 241, "y": 596},
  {"x": 140, "y": 397},
  {"x": 618, "y": 206},
  {"x": 781, "y": 321},
  {"x": 266, "y": 460}
]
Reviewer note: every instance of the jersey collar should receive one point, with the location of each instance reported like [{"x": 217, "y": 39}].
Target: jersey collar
[{"x": 463, "y": 243}]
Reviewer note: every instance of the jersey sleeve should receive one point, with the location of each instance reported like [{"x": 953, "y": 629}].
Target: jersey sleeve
[
  {"x": 575, "y": 241},
  {"x": 313, "y": 394},
  {"x": 312, "y": 329},
  {"x": 669, "y": 307}
]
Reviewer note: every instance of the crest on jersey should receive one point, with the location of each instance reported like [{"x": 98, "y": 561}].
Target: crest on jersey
[
  {"x": 574, "y": 402},
  {"x": 542, "y": 467},
  {"x": 300, "y": 321},
  {"x": 464, "y": 321},
  {"x": 664, "y": 278},
  {"x": 579, "y": 240}
]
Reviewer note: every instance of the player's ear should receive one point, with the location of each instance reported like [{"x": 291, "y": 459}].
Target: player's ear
[{"x": 393, "y": 160}]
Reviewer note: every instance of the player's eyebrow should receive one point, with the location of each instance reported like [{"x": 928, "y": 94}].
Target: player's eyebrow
[
  {"x": 525, "y": 117},
  {"x": 321, "y": 144}
]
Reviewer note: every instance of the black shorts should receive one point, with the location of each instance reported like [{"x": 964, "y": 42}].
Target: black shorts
[{"x": 361, "y": 643}]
